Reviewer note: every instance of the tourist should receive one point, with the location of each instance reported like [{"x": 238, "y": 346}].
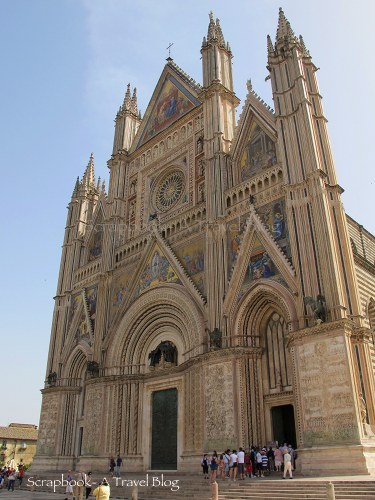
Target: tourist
[
  {"x": 21, "y": 473},
  {"x": 88, "y": 484},
  {"x": 118, "y": 465},
  {"x": 259, "y": 462},
  {"x": 241, "y": 463},
  {"x": 278, "y": 459},
  {"x": 226, "y": 462},
  {"x": 233, "y": 465},
  {"x": 79, "y": 485},
  {"x": 69, "y": 486},
  {"x": 103, "y": 491},
  {"x": 204, "y": 465},
  {"x": 112, "y": 465},
  {"x": 11, "y": 480},
  {"x": 214, "y": 466},
  {"x": 264, "y": 461},
  {"x": 287, "y": 465},
  {"x": 221, "y": 467},
  {"x": 271, "y": 459}
]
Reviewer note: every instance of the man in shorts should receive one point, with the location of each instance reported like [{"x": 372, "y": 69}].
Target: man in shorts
[
  {"x": 233, "y": 465},
  {"x": 241, "y": 463}
]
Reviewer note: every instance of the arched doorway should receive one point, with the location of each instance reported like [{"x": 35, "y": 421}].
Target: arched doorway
[{"x": 263, "y": 321}]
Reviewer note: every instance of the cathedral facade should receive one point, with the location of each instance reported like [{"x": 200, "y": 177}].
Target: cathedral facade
[{"x": 217, "y": 295}]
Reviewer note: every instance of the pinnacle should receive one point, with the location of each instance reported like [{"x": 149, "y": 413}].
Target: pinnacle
[
  {"x": 134, "y": 106},
  {"x": 214, "y": 33},
  {"x": 284, "y": 30},
  {"x": 270, "y": 47},
  {"x": 89, "y": 175},
  {"x": 76, "y": 188},
  {"x": 305, "y": 51},
  {"x": 126, "y": 105}
]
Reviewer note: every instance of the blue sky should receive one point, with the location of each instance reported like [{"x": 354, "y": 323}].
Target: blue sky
[{"x": 65, "y": 66}]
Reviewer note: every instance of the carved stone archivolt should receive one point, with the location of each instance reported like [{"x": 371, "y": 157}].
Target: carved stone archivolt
[{"x": 149, "y": 319}]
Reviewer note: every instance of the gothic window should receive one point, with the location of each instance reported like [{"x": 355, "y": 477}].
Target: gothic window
[{"x": 278, "y": 365}]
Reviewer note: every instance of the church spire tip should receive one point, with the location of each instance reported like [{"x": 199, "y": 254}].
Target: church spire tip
[{"x": 284, "y": 31}]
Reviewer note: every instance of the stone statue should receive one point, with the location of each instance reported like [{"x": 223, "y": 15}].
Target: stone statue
[
  {"x": 215, "y": 339},
  {"x": 168, "y": 351},
  {"x": 154, "y": 357},
  {"x": 363, "y": 408},
  {"x": 153, "y": 216},
  {"x": 52, "y": 378},
  {"x": 93, "y": 368},
  {"x": 318, "y": 307}
]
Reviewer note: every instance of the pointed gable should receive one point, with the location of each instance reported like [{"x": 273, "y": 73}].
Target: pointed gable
[
  {"x": 157, "y": 270},
  {"x": 174, "y": 96}
]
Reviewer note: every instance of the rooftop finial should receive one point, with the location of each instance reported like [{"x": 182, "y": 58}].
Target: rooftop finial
[
  {"x": 249, "y": 85},
  {"x": 219, "y": 33}
]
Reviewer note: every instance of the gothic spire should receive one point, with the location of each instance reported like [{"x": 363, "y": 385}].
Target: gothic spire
[
  {"x": 126, "y": 105},
  {"x": 284, "y": 31},
  {"x": 89, "y": 175}
]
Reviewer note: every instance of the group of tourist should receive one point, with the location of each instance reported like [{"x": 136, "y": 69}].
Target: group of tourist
[
  {"x": 10, "y": 474},
  {"x": 256, "y": 462},
  {"x": 80, "y": 484}
]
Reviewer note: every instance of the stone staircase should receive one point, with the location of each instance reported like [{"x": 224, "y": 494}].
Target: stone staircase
[
  {"x": 296, "y": 489},
  {"x": 194, "y": 487}
]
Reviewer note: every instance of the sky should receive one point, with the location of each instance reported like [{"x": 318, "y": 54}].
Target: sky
[{"x": 65, "y": 66}]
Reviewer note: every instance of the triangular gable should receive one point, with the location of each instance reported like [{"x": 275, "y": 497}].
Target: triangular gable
[
  {"x": 259, "y": 258},
  {"x": 156, "y": 271},
  {"x": 254, "y": 143},
  {"x": 171, "y": 100}
]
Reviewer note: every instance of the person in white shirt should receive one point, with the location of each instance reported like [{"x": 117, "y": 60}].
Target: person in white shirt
[
  {"x": 241, "y": 463},
  {"x": 287, "y": 465},
  {"x": 233, "y": 465}
]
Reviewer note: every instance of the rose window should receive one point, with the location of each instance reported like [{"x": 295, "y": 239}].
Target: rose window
[{"x": 169, "y": 190}]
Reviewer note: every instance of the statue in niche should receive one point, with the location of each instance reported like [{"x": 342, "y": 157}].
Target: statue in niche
[
  {"x": 318, "y": 307},
  {"x": 163, "y": 356},
  {"x": 201, "y": 193},
  {"x": 201, "y": 167},
  {"x": 199, "y": 145},
  {"x": 363, "y": 408},
  {"x": 215, "y": 339}
]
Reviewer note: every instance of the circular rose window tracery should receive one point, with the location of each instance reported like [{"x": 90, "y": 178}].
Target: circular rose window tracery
[{"x": 169, "y": 190}]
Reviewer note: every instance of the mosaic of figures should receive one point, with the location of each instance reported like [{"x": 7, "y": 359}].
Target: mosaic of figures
[
  {"x": 191, "y": 257},
  {"x": 273, "y": 216},
  {"x": 158, "y": 270},
  {"x": 259, "y": 153},
  {"x": 96, "y": 243},
  {"x": 121, "y": 287},
  {"x": 172, "y": 103},
  {"x": 260, "y": 266}
]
